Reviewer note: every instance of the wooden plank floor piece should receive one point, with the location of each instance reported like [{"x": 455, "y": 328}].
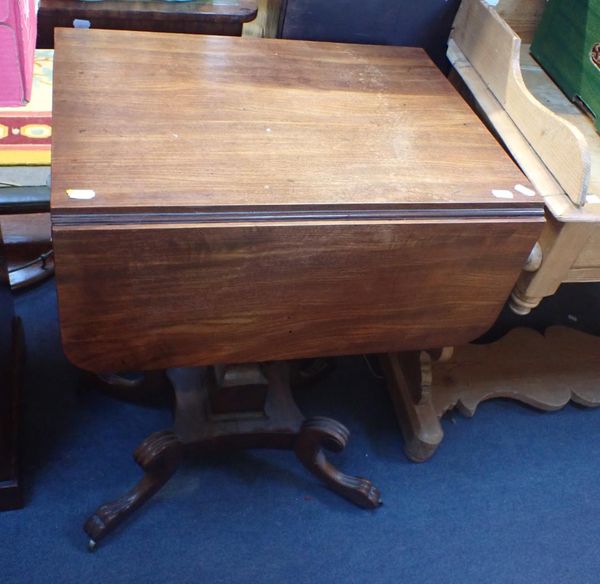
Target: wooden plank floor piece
[{"x": 545, "y": 371}]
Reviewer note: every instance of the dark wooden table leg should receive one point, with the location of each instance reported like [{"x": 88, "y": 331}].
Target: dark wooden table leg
[
  {"x": 159, "y": 455},
  {"x": 234, "y": 407},
  {"x": 318, "y": 433}
]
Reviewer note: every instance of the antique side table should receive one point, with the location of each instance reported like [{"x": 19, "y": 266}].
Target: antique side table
[{"x": 235, "y": 203}]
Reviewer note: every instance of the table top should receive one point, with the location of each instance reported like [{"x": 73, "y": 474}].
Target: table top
[{"x": 162, "y": 123}]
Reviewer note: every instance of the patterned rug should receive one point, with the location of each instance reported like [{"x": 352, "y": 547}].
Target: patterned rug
[{"x": 26, "y": 132}]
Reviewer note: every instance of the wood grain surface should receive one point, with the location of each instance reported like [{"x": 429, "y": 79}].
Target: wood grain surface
[
  {"x": 221, "y": 11},
  {"x": 157, "y": 122},
  {"x": 152, "y": 297},
  {"x": 255, "y": 199},
  {"x": 225, "y": 17},
  {"x": 493, "y": 49},
  {"x": 479, "y": 94},
  {"x": 570, "y": 243},
  {"x": 548, "y": 93},
  {"x": 523, "y": 16}
]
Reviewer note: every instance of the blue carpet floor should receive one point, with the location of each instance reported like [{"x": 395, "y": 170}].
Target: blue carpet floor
[{"x": 511, "y": 496}]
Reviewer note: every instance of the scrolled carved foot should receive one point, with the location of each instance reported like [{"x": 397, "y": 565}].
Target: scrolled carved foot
[
  {"x": 159, "y": 456},
  {"x": 318, "y": 433}
]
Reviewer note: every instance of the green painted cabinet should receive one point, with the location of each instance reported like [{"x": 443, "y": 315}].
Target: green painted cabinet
[{"x": 567, "y": 45}]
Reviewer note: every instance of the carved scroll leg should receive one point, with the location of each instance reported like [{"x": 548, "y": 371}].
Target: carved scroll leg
[
  {"x": 159, "y": 455},
  {"x": 319, "y": 433}
]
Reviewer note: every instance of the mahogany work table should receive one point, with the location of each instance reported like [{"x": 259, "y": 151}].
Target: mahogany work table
[{"x": 218, "y": 201}]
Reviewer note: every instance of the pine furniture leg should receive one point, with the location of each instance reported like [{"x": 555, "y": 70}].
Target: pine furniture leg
[{"x": 545, "y": 371}]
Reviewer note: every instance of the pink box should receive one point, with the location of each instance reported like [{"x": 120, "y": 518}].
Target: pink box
[{"x": 18, "y": 28}]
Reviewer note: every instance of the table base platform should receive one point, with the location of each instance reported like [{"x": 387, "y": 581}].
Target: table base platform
[
  {"x": 545, "y": 371},
  {"x": 233, "y": 407}
]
